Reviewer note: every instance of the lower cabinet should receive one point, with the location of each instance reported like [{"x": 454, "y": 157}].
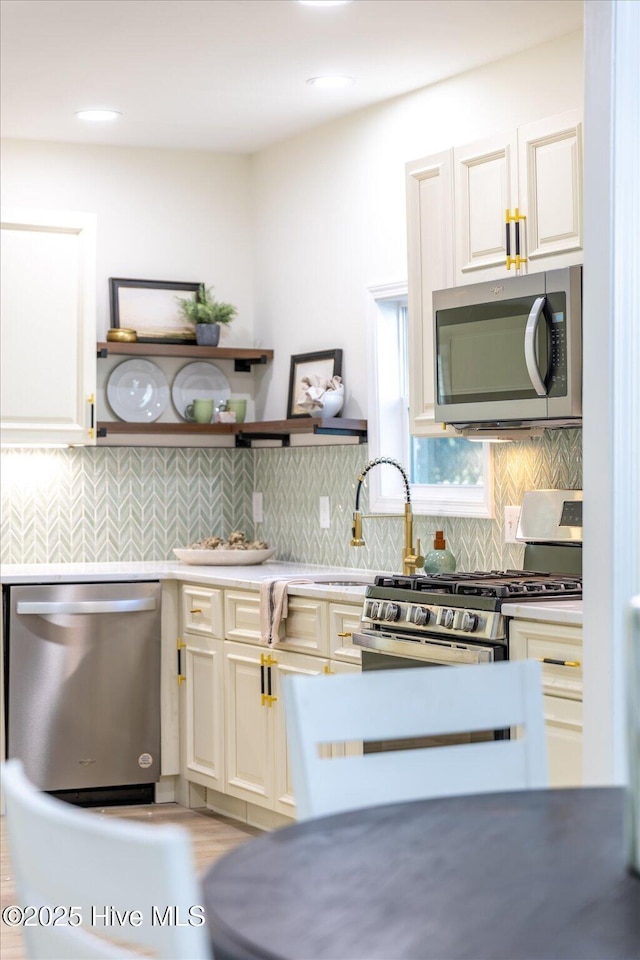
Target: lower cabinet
[
  {"x": 559, "y": 648},
  {"x": 201, "y": 680}
]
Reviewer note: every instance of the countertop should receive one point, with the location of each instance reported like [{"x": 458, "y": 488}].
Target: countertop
[{"x": 250, "y": 578}]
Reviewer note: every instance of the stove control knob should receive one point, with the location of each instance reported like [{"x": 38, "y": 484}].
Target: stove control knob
[
  {"x": 389, "y": 611},
  {"x": 445, "y": 618},
  {"x": 466, "y": 621},
  {"x": 371, "y": 609},
  {"x": 420, "y": 616}
]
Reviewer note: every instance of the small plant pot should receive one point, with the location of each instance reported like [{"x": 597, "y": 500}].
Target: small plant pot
[{"x": 207, "y": 334}]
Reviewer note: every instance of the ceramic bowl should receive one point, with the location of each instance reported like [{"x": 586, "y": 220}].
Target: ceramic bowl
[{"x": 332, "y": 404}]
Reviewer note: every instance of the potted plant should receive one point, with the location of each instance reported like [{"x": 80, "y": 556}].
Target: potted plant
[{"x": 207, "y": 315}]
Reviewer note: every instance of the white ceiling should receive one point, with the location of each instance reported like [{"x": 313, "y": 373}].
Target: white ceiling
[{"x": 229, "y": 75}]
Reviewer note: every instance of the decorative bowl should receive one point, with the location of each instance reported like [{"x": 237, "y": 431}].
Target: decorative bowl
[{"x": 332, "y": 404}]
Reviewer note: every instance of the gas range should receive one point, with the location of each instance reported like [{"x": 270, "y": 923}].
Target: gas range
[{"x": 459, "y": 604}]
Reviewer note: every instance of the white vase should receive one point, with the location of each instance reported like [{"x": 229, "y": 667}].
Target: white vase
[{"x": 332, "y": 401}]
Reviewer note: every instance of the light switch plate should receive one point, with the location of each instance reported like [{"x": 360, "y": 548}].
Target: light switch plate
[
  {"x": 325, "y": 513},
  {"x": 257, "y": 508},
  {"x": 511, "y": 518}
]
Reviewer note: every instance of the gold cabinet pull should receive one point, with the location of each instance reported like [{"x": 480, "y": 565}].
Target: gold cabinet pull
[
  {"x": 267, "y": 660},
  {"x": 195, "y": 610},
  {"x": 560, "y": 663},
  {"x": 347, "y": 633},
  {"x": 91, "y": 400},
  {"x": 268, "y": 700},
  {"x": 181, "y": 679},
  {"x": 181, "y": 643},
  {"x": 327, "y": 669}
]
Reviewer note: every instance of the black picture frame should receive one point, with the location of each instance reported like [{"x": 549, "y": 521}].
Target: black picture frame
[
  {"x": 147, "y": 306},
  {"x": 326, "y": 363}
]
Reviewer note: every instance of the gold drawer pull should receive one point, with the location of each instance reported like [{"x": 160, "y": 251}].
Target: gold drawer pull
[
  {"x": 195, "y": 610},
  {"x": 327, "y": 669},
  {"x": 181, "y": 679},
  {"x": 181, "y": 643},
  {"x": 348, "y": 633},
  {"x": 560, "y": 663}
]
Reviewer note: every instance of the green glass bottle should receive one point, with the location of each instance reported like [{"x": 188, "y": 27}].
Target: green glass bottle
[{"x": 439, "y": 560}]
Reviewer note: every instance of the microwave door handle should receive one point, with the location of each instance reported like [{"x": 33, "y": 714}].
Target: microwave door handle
[{"x": 530, "y": 357}]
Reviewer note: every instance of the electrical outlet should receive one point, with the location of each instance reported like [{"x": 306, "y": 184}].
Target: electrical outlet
[
  {"x": 511, "y": 519},
  {"x": 257, "y": 508},
  {"x": 325, "y": 513}
]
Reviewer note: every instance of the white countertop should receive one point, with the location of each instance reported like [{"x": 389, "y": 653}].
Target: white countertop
[
  {"x": 547, "y": 611},
  {"x": 241, "y": 577}
]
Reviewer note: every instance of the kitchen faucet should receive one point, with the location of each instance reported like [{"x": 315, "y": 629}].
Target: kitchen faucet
[{"x": 411, "y": 558}]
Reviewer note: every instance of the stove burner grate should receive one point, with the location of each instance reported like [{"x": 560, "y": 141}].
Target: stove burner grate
[{"x": 494, "y": 583}]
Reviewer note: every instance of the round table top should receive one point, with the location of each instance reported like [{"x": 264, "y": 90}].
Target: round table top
[{"x": 513, "y": 876}]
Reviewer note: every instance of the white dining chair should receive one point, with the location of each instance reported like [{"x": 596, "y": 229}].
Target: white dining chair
[
  {"x": 64, "y": 858},
  {"x": 386, "y": 705}
]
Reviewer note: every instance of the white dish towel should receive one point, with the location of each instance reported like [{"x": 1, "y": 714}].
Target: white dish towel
[{"x": 274, "y": 607}]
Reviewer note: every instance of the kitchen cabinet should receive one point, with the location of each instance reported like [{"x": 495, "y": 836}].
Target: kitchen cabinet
[
  {"x": 201, "y": 681},
  {"x": 533, "y": 174},
  {"x": 457, "y": 205},
  {"x": 559, "y": 647},
  {"x": 48, "y": 370},
  {"x": 303, "y": 631}
]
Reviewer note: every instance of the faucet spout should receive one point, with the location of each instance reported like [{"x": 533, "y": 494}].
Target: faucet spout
[{"x": 411, "y": 558}]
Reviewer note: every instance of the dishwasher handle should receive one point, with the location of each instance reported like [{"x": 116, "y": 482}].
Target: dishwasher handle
[{"x": 42, "y": 608}]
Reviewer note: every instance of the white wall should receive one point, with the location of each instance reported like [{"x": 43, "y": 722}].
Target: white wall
[
  {"x": 330, "y": 204},
  {"x": 162, "y": 214}
]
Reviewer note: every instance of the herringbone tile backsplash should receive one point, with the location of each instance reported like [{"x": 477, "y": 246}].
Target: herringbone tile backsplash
[{"x": 124, "y": 503}]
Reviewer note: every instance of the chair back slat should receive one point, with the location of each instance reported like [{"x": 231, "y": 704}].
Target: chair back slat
[{"x": 393, "y": 705}]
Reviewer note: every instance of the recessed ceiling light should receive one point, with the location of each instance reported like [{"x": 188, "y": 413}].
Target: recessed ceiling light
[
  {"x": 97, "y": 116},
  {"x": 330, "y": 83}
]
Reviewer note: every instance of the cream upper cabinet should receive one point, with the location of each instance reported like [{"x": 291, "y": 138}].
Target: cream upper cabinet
[
  {"x": 486, "y": 185},
  {"x": 429, "y": 186},
  {"x": 527, "y": 185},
  {"x": 48, "y": 342}
]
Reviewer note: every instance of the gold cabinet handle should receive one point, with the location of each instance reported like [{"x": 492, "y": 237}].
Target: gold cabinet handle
[
  {"x": 347, "y": 633},
  {"x": 181, "y": 679},
  {"x": 195, "y": 610},
  {"x": 327, "y": 669},
  {"x": 560, "y": 663},
  {"x": 91, "y": 400},
  {"x": 267, "y": 660},
  {"x": 268, "y": 700},
  {"x": 181, "y": 643}
]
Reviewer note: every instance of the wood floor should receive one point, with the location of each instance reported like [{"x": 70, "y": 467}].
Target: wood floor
[{"x": 211, "y": 835}]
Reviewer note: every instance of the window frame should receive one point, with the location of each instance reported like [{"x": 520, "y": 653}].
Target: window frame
[{"x": 385, "y": 487}]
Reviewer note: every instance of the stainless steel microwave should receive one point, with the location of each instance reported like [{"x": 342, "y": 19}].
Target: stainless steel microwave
[{"x": 509, "y": 352}]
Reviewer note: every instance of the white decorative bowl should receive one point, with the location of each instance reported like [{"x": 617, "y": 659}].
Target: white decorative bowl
[{"x": 332, "y": 404}]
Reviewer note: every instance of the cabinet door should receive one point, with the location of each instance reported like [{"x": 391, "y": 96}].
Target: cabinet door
[
  {"x": 550, "y": 190},
  {"x": 48, "y": 348},
  {"x": 344, "y": 621},
  {"x": 486, "y": 180},
  {"x": 429, "y": 187},
  {"x": 202, "y": 695},
  {"x": 249, "y": 726},
  {"x": 287, "y": 664},
  {"x": 563, "y": 727}
]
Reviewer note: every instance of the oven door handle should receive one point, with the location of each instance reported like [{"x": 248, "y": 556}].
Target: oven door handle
[
  {"x": 531, "y": 330},
  {"x": 433, "y": 652}
]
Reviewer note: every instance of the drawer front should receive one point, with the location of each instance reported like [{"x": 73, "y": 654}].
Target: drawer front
[
  {"x": 541, "y": 641},
  {"x": 563, "y": 728},
  {"x": 202, "y": 611},
  {"x": 242, "y": 616},
  {"x": 344, "y": 621},
  {"x": 303, "y": 631}
]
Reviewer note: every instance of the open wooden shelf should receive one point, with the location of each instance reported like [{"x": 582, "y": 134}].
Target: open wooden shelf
[
  {"x": 244, "y": 433},
  {"x": 243, "y": 357}
]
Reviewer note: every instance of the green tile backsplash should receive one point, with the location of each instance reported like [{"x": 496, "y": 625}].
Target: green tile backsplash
[{"x": 128, "y": 503}]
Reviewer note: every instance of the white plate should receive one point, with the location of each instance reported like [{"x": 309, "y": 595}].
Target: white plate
[
  {"x": 224, "y": 558},
  {"x": 138, "y": 391},
  {"x": 200, "y": 379}
]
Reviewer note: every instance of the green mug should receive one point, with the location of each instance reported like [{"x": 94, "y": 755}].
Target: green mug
[
  {"x": 200, "y": 411},
  {"x": 239, "y": 407}
]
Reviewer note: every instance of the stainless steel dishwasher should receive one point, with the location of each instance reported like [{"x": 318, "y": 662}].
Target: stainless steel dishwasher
[{"x": 83, "y": 688}]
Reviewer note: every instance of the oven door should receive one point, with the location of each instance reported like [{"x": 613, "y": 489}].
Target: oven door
[{"x": 392, "y": 652}]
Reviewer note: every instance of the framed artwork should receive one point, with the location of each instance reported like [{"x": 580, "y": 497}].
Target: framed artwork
[
  {"x": 151, "y": 308},
  {"x": 326, "y": 363}
]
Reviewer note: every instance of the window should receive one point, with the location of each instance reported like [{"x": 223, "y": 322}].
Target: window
[{"x": 450, "y": 476}]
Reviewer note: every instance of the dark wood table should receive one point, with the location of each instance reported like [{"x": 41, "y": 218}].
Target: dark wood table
[{"x": 537, "y": 874}]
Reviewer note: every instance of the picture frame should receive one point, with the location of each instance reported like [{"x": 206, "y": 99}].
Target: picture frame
[
  {"x": 324, "y": 363},
  {"x": 150, "y": 308}
]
